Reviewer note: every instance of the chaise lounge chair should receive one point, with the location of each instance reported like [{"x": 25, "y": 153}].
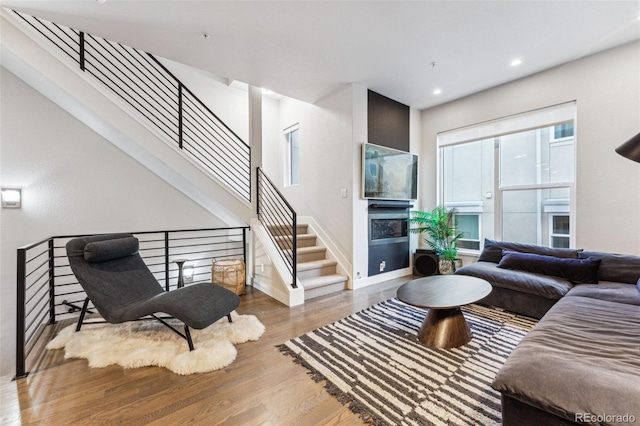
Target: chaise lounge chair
[{"x": 122, "y": 288}]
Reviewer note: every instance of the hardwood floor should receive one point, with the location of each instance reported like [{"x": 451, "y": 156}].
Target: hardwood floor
[{"x": 262, "y": 386}]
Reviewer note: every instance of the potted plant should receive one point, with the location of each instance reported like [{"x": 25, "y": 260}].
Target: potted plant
[{"x": 438, "y": 224}]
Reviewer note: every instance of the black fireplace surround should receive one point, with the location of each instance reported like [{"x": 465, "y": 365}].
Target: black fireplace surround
[{"x": 388, "y": 241}]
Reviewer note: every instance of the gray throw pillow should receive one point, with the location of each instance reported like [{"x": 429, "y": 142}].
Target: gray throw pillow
[
  {"x": 577, "y": 271},
  {"x": 492, "y": 251},
  {"x": 101, "y": 251}
]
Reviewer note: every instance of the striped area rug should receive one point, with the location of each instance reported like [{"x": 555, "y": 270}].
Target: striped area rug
[{"x": 373, "y": 362}]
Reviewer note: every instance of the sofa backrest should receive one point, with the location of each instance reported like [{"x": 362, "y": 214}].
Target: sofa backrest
[
  {"x": 622, "y": 268},
  {"x": 492, "y": 251}
]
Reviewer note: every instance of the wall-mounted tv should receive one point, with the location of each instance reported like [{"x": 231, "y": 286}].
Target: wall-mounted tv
[{"x": 388, "y": 173}]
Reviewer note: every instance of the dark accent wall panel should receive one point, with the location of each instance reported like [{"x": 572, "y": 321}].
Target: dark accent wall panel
[{"x": 388, "y": 122}]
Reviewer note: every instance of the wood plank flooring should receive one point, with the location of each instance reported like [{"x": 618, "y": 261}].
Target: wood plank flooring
[{"x": 262, "y": 386}]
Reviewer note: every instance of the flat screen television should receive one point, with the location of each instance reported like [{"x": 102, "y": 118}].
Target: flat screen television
[{"x": 389, "y": 174}]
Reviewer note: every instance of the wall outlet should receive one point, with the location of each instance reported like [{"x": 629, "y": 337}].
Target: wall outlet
[
  {"x": 382, "y": 265},
  {"x": 343, "y": 193},
  {"x": 262, "y": 267}
]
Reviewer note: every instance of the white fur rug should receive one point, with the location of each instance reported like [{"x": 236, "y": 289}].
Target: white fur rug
[{"x": 146, "y": 343}]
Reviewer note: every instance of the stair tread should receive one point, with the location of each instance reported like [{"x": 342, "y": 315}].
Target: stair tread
[
  {"x": 310, "y": 249},
  {"x": 323, "y": 280},
  {"x": 299, "y": 236},
  {"x": 315, "y": 264}
]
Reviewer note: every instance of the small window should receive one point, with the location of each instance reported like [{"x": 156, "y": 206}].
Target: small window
[
  {"x": 562, "y": 131},
  {"x": 559, "y": 235},
  {"x": 292, "y": 172},
  {"x": 469, "y": 225}
]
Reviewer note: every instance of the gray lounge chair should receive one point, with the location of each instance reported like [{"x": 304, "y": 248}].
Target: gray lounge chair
[{"x": 122, "y": 288}]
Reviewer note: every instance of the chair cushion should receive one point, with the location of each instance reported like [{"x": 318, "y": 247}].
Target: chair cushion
[
  {"x": 492, "y": 251},
  {"x": 101, "y": 251},
  {"x": 574, "y": 270}
]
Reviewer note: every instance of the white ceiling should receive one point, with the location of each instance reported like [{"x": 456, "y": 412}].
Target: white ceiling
[{"x": 307, "y": 49}]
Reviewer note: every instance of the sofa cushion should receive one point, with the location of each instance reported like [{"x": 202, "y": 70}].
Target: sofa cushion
[
  {"x": 621, "y": 268},
  {"x": 582, "y": 357},
  {"x": 574, "y": 270},
  {"x": 492, "y": 251},
  {"x": 545, "y": 286},
  {"x": 606, "y": 290}
]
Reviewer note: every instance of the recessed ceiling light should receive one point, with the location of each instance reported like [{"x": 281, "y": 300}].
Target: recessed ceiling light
[
  {"x": 437, "y": 91},
  {"x": 101, "y": 1},
  {"x": 516, "y": 62}
]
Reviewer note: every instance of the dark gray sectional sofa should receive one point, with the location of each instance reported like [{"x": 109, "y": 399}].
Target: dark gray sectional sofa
[{"x": 581, "y": 363}]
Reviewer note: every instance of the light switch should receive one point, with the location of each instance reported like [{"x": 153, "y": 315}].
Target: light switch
[{"x": 343, "y": 193}]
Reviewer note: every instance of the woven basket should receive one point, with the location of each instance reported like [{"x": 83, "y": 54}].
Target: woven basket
[{"x": 229, "y": 273}]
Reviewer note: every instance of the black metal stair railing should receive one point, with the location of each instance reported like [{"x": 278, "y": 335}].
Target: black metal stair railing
[
  {"x": 279, "y": 219},
  {"x": 48, "y": 291},
  {"x": 157, "y": 96}
]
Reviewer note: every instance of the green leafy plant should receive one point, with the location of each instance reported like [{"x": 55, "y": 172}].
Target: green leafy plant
[{"x": 441, "y": 236}]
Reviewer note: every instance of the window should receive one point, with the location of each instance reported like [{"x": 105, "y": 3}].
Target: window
[
  {"x": 522, "y": 170},
  {"x": 469, "y": 226},
  {"x": 292, "y": 161},
  {"x": 562, "y": 131},
  {"x": 559, "y": 231}
]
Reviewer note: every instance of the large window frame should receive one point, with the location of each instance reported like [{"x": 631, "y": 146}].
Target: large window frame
[{"x": 494, "y": 129}]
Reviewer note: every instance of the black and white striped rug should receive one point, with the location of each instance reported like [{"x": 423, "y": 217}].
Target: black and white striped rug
[{"x": 372, "y": 361}]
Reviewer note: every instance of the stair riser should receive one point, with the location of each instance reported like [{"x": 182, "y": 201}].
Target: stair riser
[
  {"x": 284, "y": 243},
  {"x": 310, "y": 257},
  {"x": 286, "y": 230},
  {"x": 317, "y": 272},
  {"x": 324, "y": 290}
]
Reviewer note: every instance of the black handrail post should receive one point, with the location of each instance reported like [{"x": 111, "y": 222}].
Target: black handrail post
[
  {"x": 258, "y": 180},
  {"x": 166, "y": 260},
  {"x": 52, "y": 283},
  {"x": 82, "y": 50},
  {"x": 294, "y": 253},
  {"x": 244, "y": 245},
  {"x": 20, "y": 313},
  {"x": 180, "y": 114}
]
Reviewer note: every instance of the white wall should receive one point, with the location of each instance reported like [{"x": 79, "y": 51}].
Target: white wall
[
  {"x": 326, "y": 159},
  {"x": 332, "y": 132},
  {"x": 606, "y": 87},
  {"x": 73, "y": 182}
]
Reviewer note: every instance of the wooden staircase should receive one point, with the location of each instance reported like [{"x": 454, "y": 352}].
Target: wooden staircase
[{"x": 317, "y": 274}]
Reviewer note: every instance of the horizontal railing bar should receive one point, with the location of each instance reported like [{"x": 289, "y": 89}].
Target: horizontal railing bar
[
  {"x": 42, "y": 329},
  {"x": 33, "y": 283},
  {"x": 199, "y": 101},
  {"x": 35, "y": 293},
  {"x": 30, "y": 246},
  {"x": 99, "y": 43},
  {"x": 46, "y": 250},
  {"x": 42, "y": 309},
  {"x": 36, "y": 269}
]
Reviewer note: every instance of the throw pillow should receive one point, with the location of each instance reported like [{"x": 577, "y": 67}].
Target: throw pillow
[
  {"x": 574, "y": 270},
  {"x": 101, "y": 251},
  {"x": 492, "y": 251}
]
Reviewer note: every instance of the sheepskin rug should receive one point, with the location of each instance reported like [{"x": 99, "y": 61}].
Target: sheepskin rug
[{"x": 146, "y": 343}]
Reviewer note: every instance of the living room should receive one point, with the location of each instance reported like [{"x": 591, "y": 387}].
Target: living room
[{"x": 604, "y": 86}]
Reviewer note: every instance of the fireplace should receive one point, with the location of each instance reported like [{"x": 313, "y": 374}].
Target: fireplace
[
  {"x": 388, "y": 236},
  {"x": 386, "y": 228}
]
